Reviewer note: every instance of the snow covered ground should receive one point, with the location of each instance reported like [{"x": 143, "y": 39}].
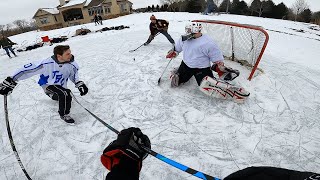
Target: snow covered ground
[{"x": 278, "y": 125}]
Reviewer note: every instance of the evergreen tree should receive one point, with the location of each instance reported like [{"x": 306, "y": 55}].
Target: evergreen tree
[
  {"x": 255, "y": 7},
  {"x": 280, "y": 11},
  {"x": 193, "y": 6},
  {"x": 162, "y": 8},
  {"x": 234, "y": 7},
  {"x": 244, "y": 9},
  {"x": 305, "y": 16},
  {"x": 268, "y": 8},
  {"x": 225, "y": 6},
  {"x": 239, "y": 7},
  {"x": 165, "y": 7}
]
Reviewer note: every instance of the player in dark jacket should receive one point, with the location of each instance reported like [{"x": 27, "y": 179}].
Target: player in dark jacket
[
  {"x": 96, "y": 19},
  {"x": 6, "y": 44},
  {"x": 158, "y": 26}
]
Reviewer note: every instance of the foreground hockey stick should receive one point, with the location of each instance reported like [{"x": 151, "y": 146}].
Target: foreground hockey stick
[
  {"x": 11, "y": 139},
  {"x": 159, "y": 80},
  {"x": 171, "y": 162}
]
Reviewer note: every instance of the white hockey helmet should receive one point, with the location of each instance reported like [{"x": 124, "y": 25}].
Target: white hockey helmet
[{"x": 193, "y": 27}]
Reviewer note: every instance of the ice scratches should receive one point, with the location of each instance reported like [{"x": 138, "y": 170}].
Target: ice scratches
[
  {"x": 259, "y": 139},
  {"x": 191, "y": 139},
  {"x": 230, "y": 154}
]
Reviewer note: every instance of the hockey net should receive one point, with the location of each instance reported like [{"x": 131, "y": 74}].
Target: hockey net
[{"x": 242, "y": 43}]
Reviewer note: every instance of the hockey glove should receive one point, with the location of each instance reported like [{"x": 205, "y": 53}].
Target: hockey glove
[
  {"x": 82, "y": 88},
  {"x": 7, "y": 86},
  {"x": 172, "y": 54},
  {"x": 225, "y": 73},
  {"x": 254, "y": 173},
  {"x": 126, "y": 149}
]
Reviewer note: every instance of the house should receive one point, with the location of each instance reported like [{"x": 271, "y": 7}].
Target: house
[{"x": 76, "y": 12}]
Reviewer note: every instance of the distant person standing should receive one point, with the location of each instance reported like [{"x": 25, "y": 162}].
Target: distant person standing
[
  {"x": 100, "y": 18},
  {"x": 6, "y": 44},
  {"x": 158, "y": 26},
  {"x": 96, "y": 19}
]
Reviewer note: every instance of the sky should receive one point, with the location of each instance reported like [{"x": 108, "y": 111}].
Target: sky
[{"x": 25, "y": 9}]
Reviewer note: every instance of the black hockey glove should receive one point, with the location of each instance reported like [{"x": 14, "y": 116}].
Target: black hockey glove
[
  {"x": 82, "y": 88},
  {"x": 261, "y": 173},
  {"x": 7, "y": 86},
  {"x": 124, "y": 156}
]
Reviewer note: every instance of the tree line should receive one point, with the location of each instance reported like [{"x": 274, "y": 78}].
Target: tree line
[
  {"x": 299, "y": 11},
  {"x": 17, "y": 27}
]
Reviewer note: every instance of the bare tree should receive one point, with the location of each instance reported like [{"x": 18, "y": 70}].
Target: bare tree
[
  {"x": 21, "y": 24},
  {"x": 298, "y": 7},
  {"x": 8, "y": 26},
  {"x": 2, "y": 28}
]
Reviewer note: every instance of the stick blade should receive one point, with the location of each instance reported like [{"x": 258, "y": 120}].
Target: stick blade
[{"x": 159, "y": 81}]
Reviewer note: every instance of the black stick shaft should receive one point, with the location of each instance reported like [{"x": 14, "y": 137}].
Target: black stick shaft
[{"x": 11, "y": 139}]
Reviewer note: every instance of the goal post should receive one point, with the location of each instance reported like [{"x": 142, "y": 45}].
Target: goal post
[{"x": 242, "y": 43}]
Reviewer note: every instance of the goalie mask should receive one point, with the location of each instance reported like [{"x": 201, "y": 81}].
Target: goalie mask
[{"x": 191, "y": 29}]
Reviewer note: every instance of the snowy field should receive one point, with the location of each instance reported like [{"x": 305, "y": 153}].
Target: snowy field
[{"x": 278, "y": 125}]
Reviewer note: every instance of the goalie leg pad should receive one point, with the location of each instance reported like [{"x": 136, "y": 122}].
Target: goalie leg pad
[
  {"x": 223, "y": 90},
  {"x": 174, "y": 78}
]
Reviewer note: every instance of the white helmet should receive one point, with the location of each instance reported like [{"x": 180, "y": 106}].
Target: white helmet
[{"x": 193, "y": 27}]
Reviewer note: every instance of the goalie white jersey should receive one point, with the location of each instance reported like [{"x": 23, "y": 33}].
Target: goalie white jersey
[{"x": 51, "y": 72}]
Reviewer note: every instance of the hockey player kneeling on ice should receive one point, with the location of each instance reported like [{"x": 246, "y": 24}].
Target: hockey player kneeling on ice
[
  {"x": 54, "y": 74},
  {"x": 123, "y": 157},
  {"x": 199, "y": 51}
]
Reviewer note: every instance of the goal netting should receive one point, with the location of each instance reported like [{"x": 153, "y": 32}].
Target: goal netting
[{"x": 242, "y": 43}]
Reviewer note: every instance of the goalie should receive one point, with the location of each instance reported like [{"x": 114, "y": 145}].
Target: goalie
[{"x": 199, "y": 51}]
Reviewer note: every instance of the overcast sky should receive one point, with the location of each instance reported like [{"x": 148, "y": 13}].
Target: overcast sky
[{"x": 11, "y": 10}]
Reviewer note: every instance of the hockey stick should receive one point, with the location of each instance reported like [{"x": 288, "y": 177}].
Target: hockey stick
[
  {"x": 11, "y": 139},
  {"x": 136, "y": 48},
  {"x": 171, "y": 162},
  {"x": 142, "y": 44},
  {"x": 164, "y": 71}
]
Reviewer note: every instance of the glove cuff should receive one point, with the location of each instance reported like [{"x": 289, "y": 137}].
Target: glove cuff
[
  {"x": 11, "y": 81},
  {"x": 79, "y": 83}
]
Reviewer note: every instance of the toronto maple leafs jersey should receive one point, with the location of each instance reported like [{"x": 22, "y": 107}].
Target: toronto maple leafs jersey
[{"x": 51, "y": 72}]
